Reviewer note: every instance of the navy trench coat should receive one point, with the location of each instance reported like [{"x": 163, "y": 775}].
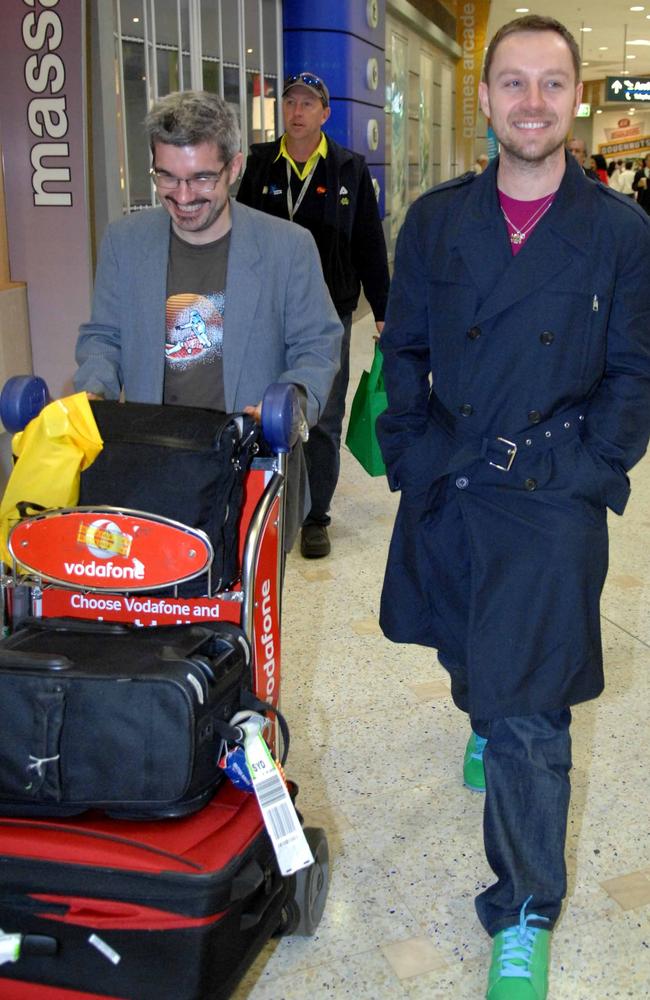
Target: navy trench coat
[{"x": 518, "y": 398}]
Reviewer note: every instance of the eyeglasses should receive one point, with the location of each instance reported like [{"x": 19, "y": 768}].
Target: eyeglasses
[
  {"x": 309, "y": 80},
  {"x": 199, "y": 184}
]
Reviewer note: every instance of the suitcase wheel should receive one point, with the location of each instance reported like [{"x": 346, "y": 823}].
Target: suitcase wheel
[{"x": 304, "y": 910}]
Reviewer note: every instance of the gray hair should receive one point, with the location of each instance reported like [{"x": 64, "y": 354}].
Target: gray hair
[{"x": 190, "y": 117}]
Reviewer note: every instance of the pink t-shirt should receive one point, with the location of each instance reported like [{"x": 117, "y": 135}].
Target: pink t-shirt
[{"x": 523, "y": 216}]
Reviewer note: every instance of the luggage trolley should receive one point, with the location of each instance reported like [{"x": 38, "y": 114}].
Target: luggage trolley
[{"x": 171, "y": 908}]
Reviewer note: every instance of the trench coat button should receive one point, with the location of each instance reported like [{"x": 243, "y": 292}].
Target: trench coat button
[
  {"x": 462, "y": 482},
  {"x": 534, "y": 416},
  {"x": 474, "y": 332},
  {"x": 530, "y": 485},
  {"x": 466, "y": 410},
  {"x": 547, "y": 337}
]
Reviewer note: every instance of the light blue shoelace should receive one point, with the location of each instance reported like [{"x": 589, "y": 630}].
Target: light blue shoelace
[
  {"x": 479, "y": 746},
  {"x": 518, "y": 943}
]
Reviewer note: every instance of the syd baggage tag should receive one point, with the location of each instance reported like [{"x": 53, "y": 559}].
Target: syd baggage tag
[{"x": 278, "y": 811}]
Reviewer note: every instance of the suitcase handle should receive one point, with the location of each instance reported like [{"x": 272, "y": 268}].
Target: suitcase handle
[
  {"x": 246, "y": 881},
  {"x": 252, "y": 916},
  {"x": 78, "y": 625},
  {"x": 38, "y": 661},
  {"x": 249, "y": 700}
]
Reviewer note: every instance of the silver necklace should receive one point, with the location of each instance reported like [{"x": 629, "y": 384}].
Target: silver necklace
[{"x": 519, "y": 234}]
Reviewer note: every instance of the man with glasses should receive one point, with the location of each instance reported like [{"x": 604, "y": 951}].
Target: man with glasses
[
  {"x": 203, "y": 302},
  {"x": 310, "y": 179}
]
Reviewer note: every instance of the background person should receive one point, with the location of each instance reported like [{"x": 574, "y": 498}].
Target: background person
[
  {"x": 641, "y": 184},
  {"x": 625, "y": 180},
  {"x": 203, "y": 302},
  {"x": 482, "y": 161},
  {"x": 310, "y": 179},
  {"x": 599, "y": 167},
  {"x": 578, "y": 151},
  {"x": 517, "y": 367}
]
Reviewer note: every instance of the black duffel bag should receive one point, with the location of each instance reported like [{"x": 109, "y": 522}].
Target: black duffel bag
[
  {"x": 111, "y": 716},
  {"x": 180, "y": 462}
]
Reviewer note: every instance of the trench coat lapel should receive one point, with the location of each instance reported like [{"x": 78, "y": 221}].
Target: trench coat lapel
[
  {"x": 243, "y": 288},
  {"x": 482, "y": 242}
]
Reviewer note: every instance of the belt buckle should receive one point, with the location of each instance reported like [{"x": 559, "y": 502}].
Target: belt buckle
[{"x": 512, "y": 451}]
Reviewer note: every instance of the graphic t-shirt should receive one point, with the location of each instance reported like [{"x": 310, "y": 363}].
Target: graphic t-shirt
[{"x": 196, "y": 298}]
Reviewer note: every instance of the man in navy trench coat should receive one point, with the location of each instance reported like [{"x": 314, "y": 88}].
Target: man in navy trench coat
[{"x": 517, "y": 365}]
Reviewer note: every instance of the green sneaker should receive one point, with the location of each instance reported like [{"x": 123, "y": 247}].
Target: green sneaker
[
  {"x": 473, "y": 771},
  {"x": 519, "y": 969}
]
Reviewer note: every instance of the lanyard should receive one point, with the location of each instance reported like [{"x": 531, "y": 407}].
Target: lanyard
[{"x": 303, "y": 190}]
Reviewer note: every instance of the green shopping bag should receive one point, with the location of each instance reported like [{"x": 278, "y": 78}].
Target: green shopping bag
[{"x": 369, "y": 401}]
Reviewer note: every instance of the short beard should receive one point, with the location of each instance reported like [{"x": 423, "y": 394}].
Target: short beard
[{"x": 519, "y": 154}]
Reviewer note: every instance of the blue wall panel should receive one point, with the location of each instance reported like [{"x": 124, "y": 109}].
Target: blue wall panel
[
  {"x": 335, "y": 41},
  {"x": 343, "y": 66},
  {"x": 335, "y": 15}
]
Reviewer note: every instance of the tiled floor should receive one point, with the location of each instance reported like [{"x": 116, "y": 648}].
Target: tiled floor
[{"x": 376, "y": 750}]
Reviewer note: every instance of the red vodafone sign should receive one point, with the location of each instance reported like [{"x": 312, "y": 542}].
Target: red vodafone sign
[{"x": 102, "y": 548}]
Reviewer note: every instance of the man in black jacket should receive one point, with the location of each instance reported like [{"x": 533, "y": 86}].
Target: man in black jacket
[
  {"x": 313, "y": 181},
  {"x": 641, "y": 184}
]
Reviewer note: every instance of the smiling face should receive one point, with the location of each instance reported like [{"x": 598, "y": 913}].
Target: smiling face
[
  {"x": 531, "y": 97},
  {"x": 197, "y": 217}
]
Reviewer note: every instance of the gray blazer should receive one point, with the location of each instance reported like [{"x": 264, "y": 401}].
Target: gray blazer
[{"x": 279, "y": 324}]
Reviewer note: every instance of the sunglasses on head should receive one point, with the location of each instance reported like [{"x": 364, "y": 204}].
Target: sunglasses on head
[{"x": 309, "y": 80}]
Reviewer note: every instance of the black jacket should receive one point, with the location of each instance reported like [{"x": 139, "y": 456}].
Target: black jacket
[
  {"x": 642, "y": 193},
  {"x": 514, "y": 345},
  {"x": 351, "y": 243}
]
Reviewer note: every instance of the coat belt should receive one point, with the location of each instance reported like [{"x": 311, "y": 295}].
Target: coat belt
[{"x": 502, "y": 450}]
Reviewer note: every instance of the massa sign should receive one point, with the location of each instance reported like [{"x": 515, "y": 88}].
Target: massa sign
[{"x": 42, "y": 117}]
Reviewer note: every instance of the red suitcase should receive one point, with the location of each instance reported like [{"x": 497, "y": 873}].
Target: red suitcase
[{"x": 165, "y": 910}]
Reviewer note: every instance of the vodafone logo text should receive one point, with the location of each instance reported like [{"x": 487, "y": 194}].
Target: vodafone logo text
[
  {"x": 105, "y": 570},
  {"x": 267, "y": 639}
]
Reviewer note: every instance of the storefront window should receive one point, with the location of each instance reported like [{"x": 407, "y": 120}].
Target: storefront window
[
  {"x": 398, "y": 112},
  {"x": 228, "y": 47},
  {"x": 425, "y": 116}
]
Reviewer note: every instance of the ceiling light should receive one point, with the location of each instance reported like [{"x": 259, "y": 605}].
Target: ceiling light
[
  {"x": 522, "y": 10},
  {"x": 637, "y": 8},
  {"x": 586, "y": 29},
  {"x": 603, "y": 48},
  {"x": 599, "y": 111},
  {"x": 631, "y": 56},
  {"x": 638, "y": 41},
  {"x": 136, "y": 20},
  {"x": 249, "y": 51},
  {"x": 585, "y": 64}
]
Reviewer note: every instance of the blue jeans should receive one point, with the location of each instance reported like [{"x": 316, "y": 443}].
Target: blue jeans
[
  {"x": 322, "y": 451},
  {"x": 527, "y": 762}
]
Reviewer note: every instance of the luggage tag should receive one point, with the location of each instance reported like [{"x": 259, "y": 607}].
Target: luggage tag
[
  {"x": 9, "y": 947},
  {"x": 278, "y": 811}
]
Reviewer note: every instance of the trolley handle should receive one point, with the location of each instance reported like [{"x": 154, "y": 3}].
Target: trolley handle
[{"x": 283, "y": 422}]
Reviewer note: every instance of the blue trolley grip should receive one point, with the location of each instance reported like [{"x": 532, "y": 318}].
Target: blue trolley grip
[
  {"x": 22, "y": 398},
  {"x": 283, "y": 421}
]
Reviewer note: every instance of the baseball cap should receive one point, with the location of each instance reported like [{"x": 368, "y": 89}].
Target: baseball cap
[{"x": 311, "y": 82}]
